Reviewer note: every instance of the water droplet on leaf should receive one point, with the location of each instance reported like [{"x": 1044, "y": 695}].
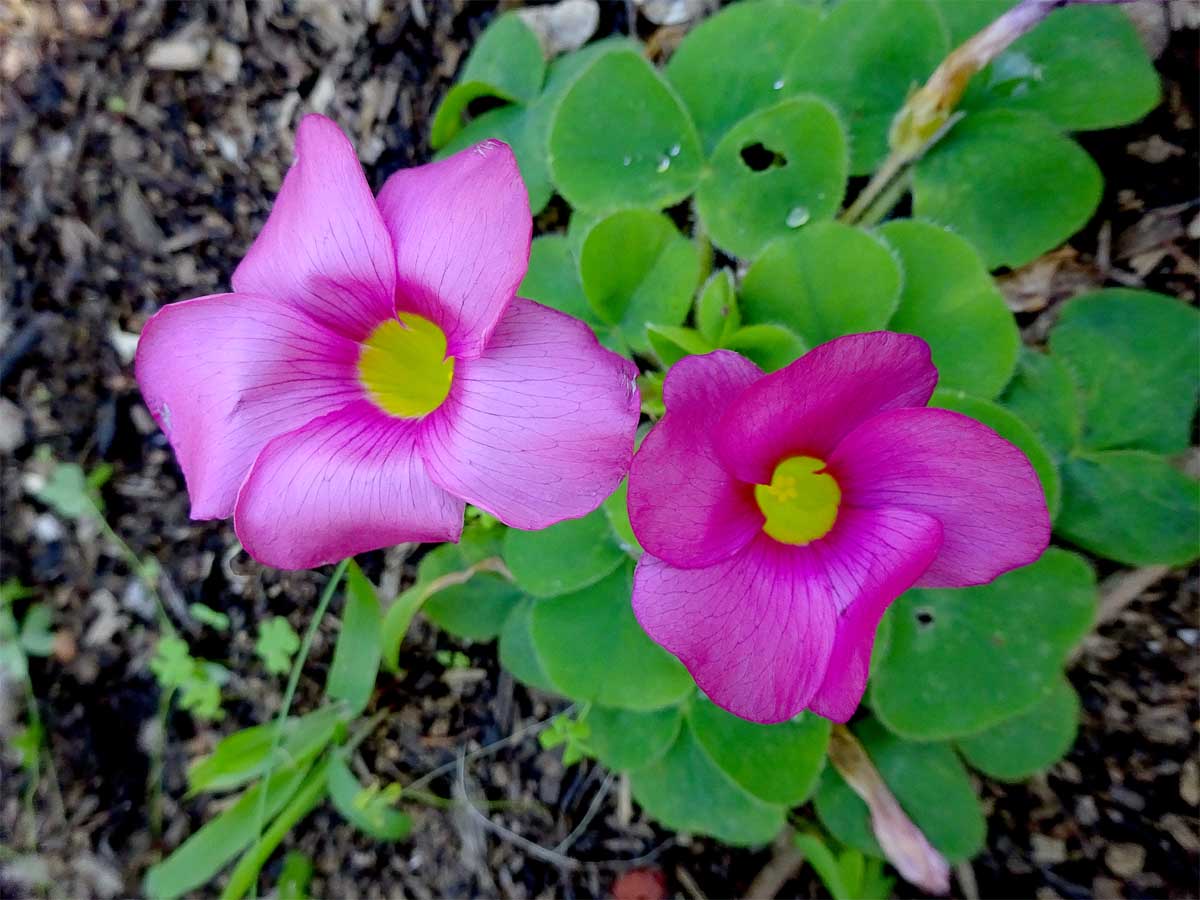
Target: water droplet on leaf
[
  {"x": 664, "y": 164},
  {"x": 798, "y": 216}
]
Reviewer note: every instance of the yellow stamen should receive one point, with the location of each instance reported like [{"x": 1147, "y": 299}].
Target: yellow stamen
[
  {"x": 801, "y": 502},
  {"x": 404, "y": 367}
]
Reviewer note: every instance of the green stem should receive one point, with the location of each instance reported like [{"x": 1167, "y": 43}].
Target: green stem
[
  {"x": 245, "y": 874},
  {"x": 290, "y": 692},
  {"x": 157, "y": 763}
]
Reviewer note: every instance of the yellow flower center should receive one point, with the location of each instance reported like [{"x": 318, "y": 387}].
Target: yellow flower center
[
  {"x": 801, "y": 502},
  {"x": 404, "y": 367}
]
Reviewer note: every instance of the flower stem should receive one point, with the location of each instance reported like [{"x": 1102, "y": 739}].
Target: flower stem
[
  {"x": 289, "y": 693},
  {"x": 929, "y": 113}
]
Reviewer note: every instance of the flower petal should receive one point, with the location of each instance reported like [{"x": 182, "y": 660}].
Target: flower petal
[
  {"x": 979, "y": 486},
  {"x": 224, "y": 374},
  {"x": 538, "y": 429},
  {"x": 345, "y": 483},
  {"x": 807, "y": 407},
  {"x": 324, "y": 247},
  {"x": 461, "y": 228},
  {"x": 757, "y": 631},
  {"x": 890, "y": 552},
  {"x": 685, "y": 508}
]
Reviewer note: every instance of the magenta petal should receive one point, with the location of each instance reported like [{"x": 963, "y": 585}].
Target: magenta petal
[
  {"x": 685, "y": 508},
  {"x": 538, "y": 429},
  {"x": 807, "y": 407},
  {"x": 324, "y": 247},
  {"x": 979, "y": 486},
  {"x": 760, "y": 632},
  {"x": 875, "y": 555},
  {"x": 222, "y": 375},
  {"x": 345, "y": 483},
  {"x": 461, "y": 228}
]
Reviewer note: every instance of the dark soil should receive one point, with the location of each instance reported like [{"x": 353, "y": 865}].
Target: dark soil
[{"x": 125, "y": 187}]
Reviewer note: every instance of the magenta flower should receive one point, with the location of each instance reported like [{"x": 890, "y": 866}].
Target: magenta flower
[
  {"x": 373, "y": 370},
  {"x": 781, "y": 514}
]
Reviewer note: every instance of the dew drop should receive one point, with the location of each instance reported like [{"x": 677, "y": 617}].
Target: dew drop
[
  {"x": 797, "y": 217},
  {"x": 664, "y": 164},
  {"x": 627, "y": 160},
  {"x": 675, "y": 148},
  {"x": 778, "y": 85}
]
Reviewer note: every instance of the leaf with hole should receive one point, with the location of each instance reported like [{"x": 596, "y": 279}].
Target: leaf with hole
[
  {"x": 865, "y": 61},
  {"x": 593, "y": 649},
  {"x": 1131, "y": 506},
  {"x": 719, "y": 80},
  {"x": 960, "y": 661},
  {"x": 929, "y": 782},
  {"x": 950, "y": 300},
  {"x": 621, "y": 137},
  {"x": 638, "y": 270},
  {"x": 1133, "y": 354},
  {"x": 1010, "y": 427},
  {"x": 822, "y": 282},
  {"x": 774, "y": 172},
  {"x": 1029, "y": 742},
  {"x": 564, "y": 557},
  {"x": 1009, "y": 182}
]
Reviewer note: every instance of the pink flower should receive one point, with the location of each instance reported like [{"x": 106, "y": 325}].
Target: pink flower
[
  {"x": 781, "y": 514},
  {"x": 373, "y": 370}
]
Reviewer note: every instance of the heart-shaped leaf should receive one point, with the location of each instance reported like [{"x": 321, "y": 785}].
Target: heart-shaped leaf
[
  {"x": 865, "y": 60},
  {"x": 776, "y": 763},
  {"x": 822, "y": 282},
  {"x": 593, "y": 649},
  {"x": 621, "y": 137},
  {"x": 1133, "y": 354},
  {"x": 638, "y": 270},
  {"x": 719, "y": 80},
  {"x": 960, "y": 661},
  {"x": 1029, "y": 742},
  {"x": 928, "y": 780},
  {"x": 1043, "y": 393},
  {"x": 950, "y": 300},
  {"x": 477, "y": 608},
  {"x": 1010, "y": 182},
  {"x": 686, "y": 790},
  {"x": 563, "y": 558},
  {"x": 506, "y": 63},
  {"x": 775, "y": 171},
  {"x": 1131, "y": 506}
]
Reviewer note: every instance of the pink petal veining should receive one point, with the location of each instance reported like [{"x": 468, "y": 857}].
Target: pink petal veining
[
  {"x": 807, "y": 407},
  {"x": 540, "y": 427},
  {"x": 461, "y": 230},
  {"x": 324, "y": 247},
  {"x": 980, "y": 487},
  {"x": 224, "y": 374},
  {"x": 345, "y": 483},
  {"x": 685, "y": 508}
]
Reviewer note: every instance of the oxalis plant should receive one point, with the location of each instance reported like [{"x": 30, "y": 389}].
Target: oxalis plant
[{"x": 856, "y": 498}]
